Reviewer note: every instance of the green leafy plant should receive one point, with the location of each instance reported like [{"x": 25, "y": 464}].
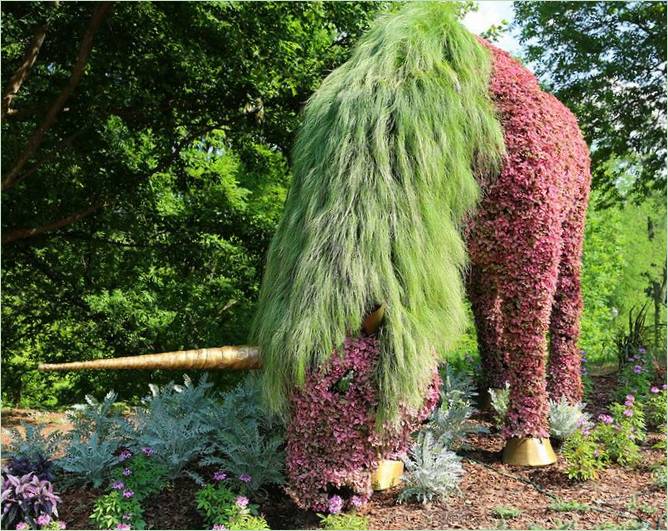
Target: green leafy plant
[
  {"x": 506, "y": 513},
  {"x": 566, "y": 418},
  {"x": 343, "y": 521},
  {"x": 499, "y": 399},
  {"x": 584, "y": 456},
  {"x": 567, "y": 506},
  {"x": 114, "y": 508},
  {"x": 655, "y": 408},
  {"x": 141, "y": 474},
  {"x": 619, "y": 436},
  {"x": 248, "y": 521},
  {"x": 432, "y": 470},
  {"x": 221, "y": 506}
]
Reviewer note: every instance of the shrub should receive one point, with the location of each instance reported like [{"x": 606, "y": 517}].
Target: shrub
[
  {"x": 635, "y": 374},
  {"x": 655, "y": 407},
  {"x": 245, "y": 441},
  {"x": 432, "y": 470},
  {"x": 98, "y": 418},
  {"x": 500, "y": 399},
  {"x": 27, "y": 499},
  {"x": 32, "y": 443},
  {"x": 174, "y": 421},
  {"x": 88, "y": 461},
  {"x": 584, "y": 456},
  {"x": 333, "y": 441},
  {"x": 37, "y": 464},
  {"x": 141, "y": 474},
  {"x": 247, "y": 521},
  {"x": 115, "y": 510},
  {"x": 223, "y": 508},
  {"x": 450, "y": 422},
  {"x": 343, "y": 521},
  {"x": 565, "y": 418}
]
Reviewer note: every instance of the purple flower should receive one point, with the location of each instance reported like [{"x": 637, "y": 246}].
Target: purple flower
[
  {"x": 654, "y": 389},
  {"x": 628, "y": 412},
  {"x": 43, "y": 519},
  {"x": 241, "y": 502},
  {"x": 219, "y": 475},
  {"x": 637, "y": 369},
  {"x": 630, "y": 398},
  {"x": 148, "y": 451},
  {"x": 219, "y": 527},
  {"x": 605, "y": 419},
  {"x": 128, "y": 493},
  {"x": 356, "y": 502},
  {"x": 125, "y": 455},
  {"x": 21, "y": 525},
  {"x": 118, "y": 485},
  {"x": 127, "y": 471},
  {"x": 664, "y": 386},
  {"x": 122, "y": 527},
  {"x": 62, "y": 524},
  {"x": 642, "y": 350},
  {"x": 246, "y": 478},
  {"x": 335, "y": 504}
]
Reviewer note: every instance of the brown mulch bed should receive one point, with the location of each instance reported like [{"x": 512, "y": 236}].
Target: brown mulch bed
[{"x": 620, "y": 498}]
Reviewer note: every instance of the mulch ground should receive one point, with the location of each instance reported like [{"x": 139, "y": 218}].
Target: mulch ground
[{"x": 620, "y": 498}]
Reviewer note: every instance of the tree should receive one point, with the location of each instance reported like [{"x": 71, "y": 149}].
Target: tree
[
  {"x": 607, "y": 62},
  {"x": 139, "y": 220}
]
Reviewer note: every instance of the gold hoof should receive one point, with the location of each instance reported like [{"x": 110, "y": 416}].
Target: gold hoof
[
  {"x": 529, "y": 451},
  {"x": 387, "y": 475}
]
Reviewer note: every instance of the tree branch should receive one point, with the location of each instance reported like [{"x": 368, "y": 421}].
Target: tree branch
[
  {"x": 23, "y": 70},
  {"x": 37, "y": 137},
  {"x": 23, "y": 233}
]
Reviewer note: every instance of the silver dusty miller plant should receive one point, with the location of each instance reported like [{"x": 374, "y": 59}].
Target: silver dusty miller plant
[
  {"x": 432, "y": 470},
  {"x": 566, "y": 418}
]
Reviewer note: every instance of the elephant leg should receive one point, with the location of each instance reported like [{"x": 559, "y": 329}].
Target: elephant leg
[
  {"x": 564, "y": 378},
  {"x": 486, "y": 305}
]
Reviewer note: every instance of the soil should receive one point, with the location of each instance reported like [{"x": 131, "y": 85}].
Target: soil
[{"x": 620, "y": 498}]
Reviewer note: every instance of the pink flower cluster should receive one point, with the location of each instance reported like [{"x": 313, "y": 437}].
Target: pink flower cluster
[
  {"x": 525, "y": 246},
  {"x": 332, "y": 441}
]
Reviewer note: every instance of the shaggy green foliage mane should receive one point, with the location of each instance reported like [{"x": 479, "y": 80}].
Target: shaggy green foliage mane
[{"x": 383, "y": 178}]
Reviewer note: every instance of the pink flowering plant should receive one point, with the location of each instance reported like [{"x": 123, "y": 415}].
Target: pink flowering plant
[
  {"x": 120, "y": 507},
  {"x": 333, "y": 442},
  {"x": 136, "y": 477},
  {"x": 655, "y": 407},
  {"x": 223, "y": 508},
  {"x": 613, "y": 439},
  {"x": 140, "y": 473}
]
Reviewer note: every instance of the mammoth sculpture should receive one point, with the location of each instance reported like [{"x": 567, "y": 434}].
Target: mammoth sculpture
[{"x": 429, "y": 165}]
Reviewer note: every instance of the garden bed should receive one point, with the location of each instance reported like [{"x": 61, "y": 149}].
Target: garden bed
[{"x": 492, "y": 495}]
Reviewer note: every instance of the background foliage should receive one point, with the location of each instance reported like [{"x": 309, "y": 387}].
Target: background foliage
[{"x": 140, "y": 222}]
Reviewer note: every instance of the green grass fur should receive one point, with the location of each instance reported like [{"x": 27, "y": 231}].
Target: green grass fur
[{"x": 383, "y": 178}]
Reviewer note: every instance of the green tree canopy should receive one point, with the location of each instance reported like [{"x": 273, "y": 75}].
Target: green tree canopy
[
  {"x": 144, "y": 167},
  {"x": 607, "y": 62}
]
